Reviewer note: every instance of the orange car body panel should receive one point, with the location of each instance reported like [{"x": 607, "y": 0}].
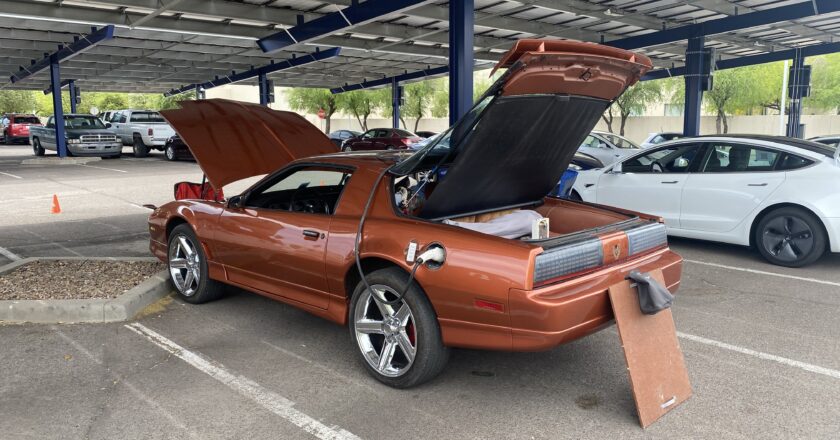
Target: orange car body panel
[{"x": 484, "y": 295}]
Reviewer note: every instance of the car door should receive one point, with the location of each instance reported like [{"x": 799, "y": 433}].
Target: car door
[
  {"x": 48, "y": 138},
  {"x": 272, "y": 242},
  {"x": 365, "y": 142},
  {"x": 650, "y": 183},
  {"x": 733, "y": 181},
  {"x": 381, "y": 139}
]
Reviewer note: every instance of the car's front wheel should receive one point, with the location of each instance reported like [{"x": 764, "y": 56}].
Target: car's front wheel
[
  {"x": 169, "y": 152},
  {"x": 37, "y": 148},
  {"x": 400, "y": 344},
  {"x": 348, "y": 148},
  {"x": 790, "y": 237},
  {"x": 188, "y": 267},
  {"x": 140, "y": 148}
]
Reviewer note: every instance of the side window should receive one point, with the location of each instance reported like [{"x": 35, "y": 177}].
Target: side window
[
  {"x": 792, "y": 162},
  {"x": 673, "y": 159},
  {"x": 137, "y": 117},
  {"x": 369, "y": 134},
  {"x": 121, "y": 118},
  {"x": 50, "y": 122},
  {"x": 591, "y": 142},
  {"x": 725, "y": 158},
  {"x": 381, "y": 133},
  {"x": 310, "y": 190}
]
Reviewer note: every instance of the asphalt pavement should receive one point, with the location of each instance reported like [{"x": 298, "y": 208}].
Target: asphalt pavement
[{"x": 760, "y": 342}]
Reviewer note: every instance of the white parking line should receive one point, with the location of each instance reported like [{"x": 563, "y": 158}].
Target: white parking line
[
  {"x": 766, "y": 356},
  {"x": 102, "y": 168},
  {"x": 11, "y": 175},
  {"x": 761, "y": 272},
  {"x": 9, "y": 254},
  {"x": 269, "y": 400}
]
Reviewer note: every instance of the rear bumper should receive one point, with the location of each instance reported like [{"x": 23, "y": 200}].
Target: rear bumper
[
  {"x": 16, "y": 138},
  {"x": 552, "y": 315}
]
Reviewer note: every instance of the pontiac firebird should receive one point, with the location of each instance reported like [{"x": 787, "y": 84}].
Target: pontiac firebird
[{"x": 342, "y": 235}]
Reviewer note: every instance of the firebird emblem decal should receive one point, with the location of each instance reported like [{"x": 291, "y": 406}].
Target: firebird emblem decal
[{"x": 616, "y": 251}]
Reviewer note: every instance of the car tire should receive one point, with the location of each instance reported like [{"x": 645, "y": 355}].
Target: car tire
[
  {"x": 390, "y": 147},
  {"x": 791, "y": 237},
  {"x": 187, "y": 261},
  {"x": 169, "y": 152},
  {"x": 139, "y": 147},
  {"x": 6, "y": 139},
  {"x": 348, "y": 148},
  {"x": 404, "y": 330},
  {"x": 37, "y": 148}
]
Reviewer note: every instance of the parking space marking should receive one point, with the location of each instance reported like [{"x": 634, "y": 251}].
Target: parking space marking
[
  {"x": 102, "y": 168},
  {"x": 11, "y": 175},
  {"x": 9, "y": 254},
  {"x": 761, "y": 272},
  {"x": 766, "y": 356},
  {"x": 268, "y": 399},
  {"x": 45, "y": 240}
]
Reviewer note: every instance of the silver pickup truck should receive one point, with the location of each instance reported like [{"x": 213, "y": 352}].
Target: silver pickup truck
[
  {"x": 142, "y": 129},
  {"x": 85, "y": 135}
]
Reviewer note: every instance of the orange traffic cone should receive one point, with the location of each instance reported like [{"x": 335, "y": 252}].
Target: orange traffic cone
[{"x": 56, "y": 208}]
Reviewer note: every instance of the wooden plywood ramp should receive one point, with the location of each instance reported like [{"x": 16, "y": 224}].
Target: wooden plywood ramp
[{"x": 658, "y": 375}]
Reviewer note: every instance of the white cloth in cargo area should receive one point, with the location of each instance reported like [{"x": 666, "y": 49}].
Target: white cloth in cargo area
[{"x": 513, "y": 225}]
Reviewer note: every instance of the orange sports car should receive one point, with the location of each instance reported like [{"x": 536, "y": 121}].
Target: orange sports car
[{"x": 454, "y": 245}]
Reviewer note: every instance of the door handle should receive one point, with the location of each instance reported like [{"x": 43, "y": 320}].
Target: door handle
[
  {"x": 671, "y": 181},
  {"x": 311, "y": 233},
  {"x": 756, "y": 184}
]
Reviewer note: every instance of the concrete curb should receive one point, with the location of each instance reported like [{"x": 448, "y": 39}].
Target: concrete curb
[
  {"x": 121, "y": 308},
  {"x": 60, "y": 160}
]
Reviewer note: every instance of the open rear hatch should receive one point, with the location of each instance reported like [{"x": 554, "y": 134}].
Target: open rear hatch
[{"x": 512, "y": 147}]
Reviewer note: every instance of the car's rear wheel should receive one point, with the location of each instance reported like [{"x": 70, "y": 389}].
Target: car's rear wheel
[
  {"x": 170, "y": 153},
  {"x": 188, "y": 267},
  {"x": 790, "y": 237},
  {"x": 36, "y": 147},
  {"x": 400, "y": 345},
  {"x": 140, "y": 148}
]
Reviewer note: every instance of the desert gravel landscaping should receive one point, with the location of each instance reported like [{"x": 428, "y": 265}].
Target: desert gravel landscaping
[{"x": 75, "y": 279}]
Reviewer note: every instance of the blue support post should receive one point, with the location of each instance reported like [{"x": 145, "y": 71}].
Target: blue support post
[
  {"x": 58, "y": 111},
  {"x": 461, "y": 19},
  {"x": 71, "y": 86},
  {"x": 798, "y": 83},
  {"x": 693, "y": 85},
  {"x": 395, "y": 103},
  {"x": 262, "y": 80}
]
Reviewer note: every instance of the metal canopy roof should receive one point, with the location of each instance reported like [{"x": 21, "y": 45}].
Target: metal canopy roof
[{"x": 165, "y": 44}]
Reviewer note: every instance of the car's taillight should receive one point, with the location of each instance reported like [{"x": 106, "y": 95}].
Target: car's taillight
[
  {"x": 574, "y": 259},
  {"x": 151, "y": 131},
  {"x": 406, "y": 141}
]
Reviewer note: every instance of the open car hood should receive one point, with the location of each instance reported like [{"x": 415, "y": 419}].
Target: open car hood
[
  {"x": 512, "y": 147},
  {"x": 234, "y": 140}
]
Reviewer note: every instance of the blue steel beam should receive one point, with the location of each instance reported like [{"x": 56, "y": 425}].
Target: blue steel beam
[
  {"x": 353, "y": 15},
  {"x": 396, "y": 92},
  {"x": 234, "y": 77},
  {"x": 731, "y": 23},
  {"x": 71, "y": 86},
  {"x": 693, "y": 85},
  {"x": 796, "y": 93},
  {"x": 58, "y": 111},
  {"x": 262, "y": 83},
  {"x": 65, "y": 52},
  {"x": 64, "y": 84},
  {"x": 461, "y": 58},
  {"x": 386, "y": 81},
  {"x": 781, "y": 55}
]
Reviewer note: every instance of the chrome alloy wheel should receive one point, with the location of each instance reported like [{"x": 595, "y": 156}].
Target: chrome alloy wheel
[
  {"x": 184, "y": 265},
  {"x": 386, "y": 334},
  {"x": 788, "y": 238}
]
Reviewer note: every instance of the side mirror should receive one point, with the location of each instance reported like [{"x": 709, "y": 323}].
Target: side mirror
[
  {"x": 107, "y": 125},
  {"x": 235, "y": 202},
  {"x": 682, "y": 163},
  {"x": 616, "y": 169}
]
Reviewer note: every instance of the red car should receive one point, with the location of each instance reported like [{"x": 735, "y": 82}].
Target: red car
[
  {"x": 417, "y": 252},
  {"x": 382, "y": 139},
  {"x": 17, "y": 129}
]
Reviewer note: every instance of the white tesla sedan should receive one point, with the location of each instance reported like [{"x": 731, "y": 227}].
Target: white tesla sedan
[{"x": 780, "y": 195}]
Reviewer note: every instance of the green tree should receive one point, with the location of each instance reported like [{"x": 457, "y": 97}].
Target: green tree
[
  {"x": 825, "y": 83},
  {"x": 418, "y": 98},
  {"x": 741, "y": 90},
  {"x": 361, "y": 103},
  {"x": 17, "y": 101},
  {"x": 634, "y": 100},
  {"x": 311, "y": 100}
]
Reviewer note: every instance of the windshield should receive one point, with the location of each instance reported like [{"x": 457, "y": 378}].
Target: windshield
[
  {"x": 82, "y": 122},
  {"x": 440, "y": 145},
  {"x": 146, "y": 117},
  {"x": 621, "y": 142}
]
